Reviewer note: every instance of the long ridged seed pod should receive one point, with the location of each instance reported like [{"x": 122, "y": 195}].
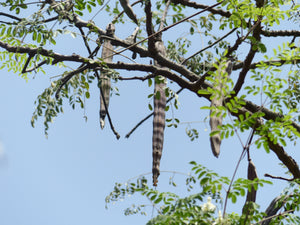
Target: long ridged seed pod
[
  {"x": 158, "y": 117},
  {"x": 222, "y": 73},
  {"x": 251, "y": 195},
  {"x": 105, "y": 85},
  {"x": 252, "y": 174}
]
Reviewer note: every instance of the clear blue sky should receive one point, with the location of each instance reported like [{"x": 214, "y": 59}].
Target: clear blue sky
[{"x": 63, "y": 180}]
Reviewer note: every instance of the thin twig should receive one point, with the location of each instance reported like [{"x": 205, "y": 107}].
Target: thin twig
[
  {"x": 35, "y": 67},
  {"x": 280, "y": 178},
  {"x": 108, "y": 116},
  {"x": 100, "y": 10},
  {"x": 147, "y": 117},
  {"x": 137, "y": 78},
  {"x": 163, "y": 19},
  {"x": 271, "y": 217},
  {"x": 209, "y": 46},
  {"x": 236, "y": 168}
]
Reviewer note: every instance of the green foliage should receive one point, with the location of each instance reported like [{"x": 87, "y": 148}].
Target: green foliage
[
  {"x": 76, "y": 91},
  {"x": 81, "y": 5},
  {"x": 192, "y": 133},
  {"x": 198, "y": 207},
  {"x": 14, "y": 5}
]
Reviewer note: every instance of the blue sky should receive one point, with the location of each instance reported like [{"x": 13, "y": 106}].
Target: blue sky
[{"x": 63, "y": 180}]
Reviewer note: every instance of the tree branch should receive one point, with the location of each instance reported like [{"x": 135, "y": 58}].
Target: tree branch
[
  {"x": 249, "y": 58},
  {"x": 155, "y": 70},
  {"x": 196, "y": 5},
  {"x": 10, "y": 16},
  {"x": 280, "y": 33},
  {"x": 280, "y": 178}
]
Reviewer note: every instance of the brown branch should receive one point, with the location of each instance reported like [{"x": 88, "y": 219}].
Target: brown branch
[
  {"x": 50, "y": 19},
  {"x": 85, "y": 41},
  {"x": 276, "y": 148},
  {"x": 277, "y": 63},
  {"x": 256, "y": 35},
  {"x": 35, "y": 67},
  {"x": 269, "y": 115},
  {"x": 150, "y": 29},
  {"x": 196, "y": 5},
  {"x": 155, "y": 70},
  {"x": 145, "y": 53},
  {"x": 27, "y": 62},
  {"x": 240, "y": 40},
  {"x": 137, "y": 78},
  {"x": 248, "y": 60},
  {"x": 287, "y": 160},
  {"x": 163, "y": 19},
  {"x": 280, "y": 33},
  {"x": 10, "y": 16},
  {"x": 93, "y": 63},
  {"x": 49, "y": 53},
  {"x": 227, "y": 14},
  {"x": 280, "y": 178},
  {"x": 147, "y": 68}
]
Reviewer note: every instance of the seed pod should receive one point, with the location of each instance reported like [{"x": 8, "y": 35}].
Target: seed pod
[
  {"x": 105, "y": 85},
  {"x": 222, "y": 73}
]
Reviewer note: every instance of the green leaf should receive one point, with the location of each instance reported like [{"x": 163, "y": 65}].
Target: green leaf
[
  {"x": 158, "y": 200},
  {"x": 203, "y": 92},
  {"x": 157, "y": 95},
  {"x": 203, "y": 181},
  {"x": 149, "y": 82}
]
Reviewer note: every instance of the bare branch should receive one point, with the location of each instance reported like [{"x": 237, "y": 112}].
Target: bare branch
[
  {"x": 277, "y": 63},
  {"x": 248, "y": 60},
  {"x": 137, "y": 78},
  {"x": 155, "y": 70},
  {"x": 280, "y": 178},
  {"x": 10, "y": 16},
  {"x": 280, "y": 33},
  {"x": 35, "y": 67},
  {"x": 196, "y": 5}
]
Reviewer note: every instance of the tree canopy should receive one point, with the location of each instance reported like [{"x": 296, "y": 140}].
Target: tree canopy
[{"x": 242, "y": 56}]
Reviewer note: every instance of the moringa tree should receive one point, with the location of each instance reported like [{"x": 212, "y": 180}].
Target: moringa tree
[{"x": 247, "y": 40}]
